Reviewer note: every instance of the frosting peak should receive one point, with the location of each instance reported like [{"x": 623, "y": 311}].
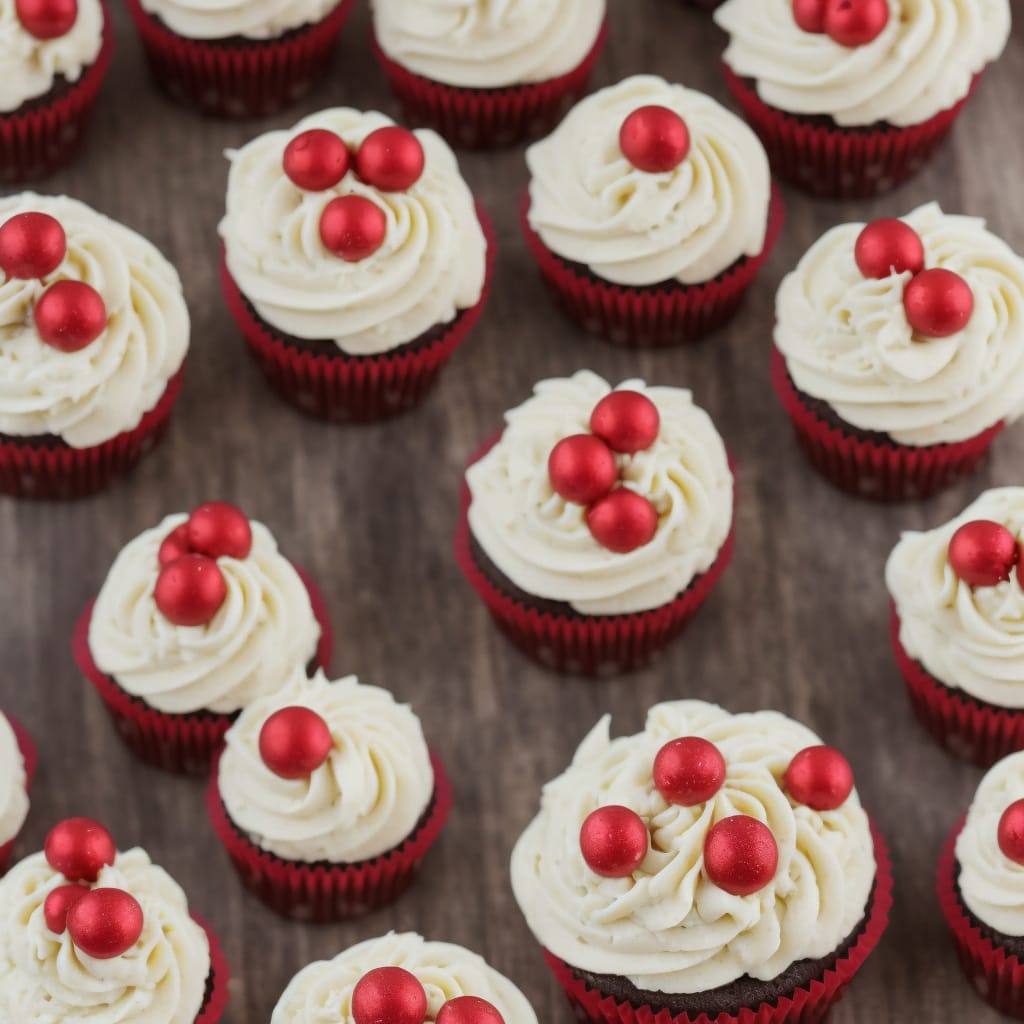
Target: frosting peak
[
  {"x": 13, "y": 798},
  {"x": 251, "y": 19}
]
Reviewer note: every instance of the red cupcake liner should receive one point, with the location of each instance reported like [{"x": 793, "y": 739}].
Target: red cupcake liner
[
  {"x": 872, "y": 469},
  {"x": 219, "y": 976},
  {"x": 804, "y": 1006},
  {"x": 842, "y": 163},
  {"x": 331, "y": 385},
  {"x": 324, "y": 892},
  {"x": 36, "y": 142},
  {"x": 654, "y": 316},
  {"x": 62, "y": 472},
  {"x": 30, "y": 756},
  {"x": 239, "y": 78},
  {"x": 184, "y": 744},
  {"x": 484, "y": 118},
  {"x": 997, "y": 976},
  {"x": 591, "y": 645}
]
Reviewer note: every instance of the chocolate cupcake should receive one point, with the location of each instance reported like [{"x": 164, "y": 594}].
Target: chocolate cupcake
[{"x": 17, "y": 766}]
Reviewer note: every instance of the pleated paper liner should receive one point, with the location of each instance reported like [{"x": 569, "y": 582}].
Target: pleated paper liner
[
  {"x": 181, "y": 743},
  {"x": 324, "y": 892},
  {"x": 484, "y": 118},
  {"x": 352, "y": 389},
  {"x": 997, "y": 976},
  {"x": 807, "y": 1005},
  {"x": 843, "y": 163},
  {"x": 871, "y": 469},
  {"x": 657, "y": 315},
  {"x": 29, "y": 755},
  {"x": 46, "y": 136},
  {"x": 60, "y": 472},
  {"x": 239, "y": 77},
  {"x": 591, "y": 645},
  {"x": 217, "y": 984}
]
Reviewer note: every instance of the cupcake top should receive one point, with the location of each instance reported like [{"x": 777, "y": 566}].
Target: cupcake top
[
  {"x": 34, "y": 65},
  {"x": 919, "y": 62},
  {"x": 693, "y": 213},
  {"x": 676, "y": 491},
  {"x": 250, "y": 19},
  {"x": 421, "y": 252},
  {"x": 323, "y": 991},
  {"x": 966, "y": 630},
  {"x": 477, "y": 44},
  {"x": 13, "y": 780},
  {"x": 128, "y": 338},
  {"x": 262, "y": 629},
  {"x": 734, "y": 871},
  {"x": 860, "y": 343},
  {"x": 361, "y": 787}
]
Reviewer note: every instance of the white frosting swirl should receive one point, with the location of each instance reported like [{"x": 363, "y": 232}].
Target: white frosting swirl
[
  {"x": 431, "y": 265},
  {"x": 263, "y": 631},
  {"x": 847, "y": 340},
  {"x": 45, "y": 979},
  {"x": 322, "y": 991},
  {"x": 364, "y": 800},
  {"x": 31, "y": 66},
  {"x": 104, "y": 389},
  {"x": 542, "y": 543},
  {"x": 667, "y": 928},
  {"x": 968, "y": 638},
  {"x": 590, "y": 205},
  {"x": 488, "y": 44},
  {"x": 921, "y": 64},
  {"x": 13, "y": 781},
  {"x": 251, "y": 19}
]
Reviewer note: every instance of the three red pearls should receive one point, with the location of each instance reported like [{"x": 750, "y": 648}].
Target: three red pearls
[
  {"x": 847, "y": 22},
  {"x": 396, "y": 996},
  {"x": 741, "y": 855},
  {"x": 984, "y": 553}
]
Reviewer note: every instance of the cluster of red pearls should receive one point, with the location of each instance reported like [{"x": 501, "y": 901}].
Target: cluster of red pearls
[
  {"x": 847, "y": 22},
  {"x": 984, "y": 553},
  {"x": 47, "y": 19},
  {"x": 393, "y": 995},
  {"x": 654, "y": 139}
]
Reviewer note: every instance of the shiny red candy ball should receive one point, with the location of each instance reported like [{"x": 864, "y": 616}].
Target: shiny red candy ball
[
  {"x": 1011, "y": 832},
  {"x": 689, "y": 771},
  {"x": 888, "y": 246},
  {"x": 294, "y": 742},
  {"x": 626, "y": 421},
  {"x": 58, "y": 905},
  {"x": 70, "y": 315},
  {"x": 79, "y": 848},
  {"x": 820, "y": 778},
  {"x": 32, "y": 245},
  {"x": 469, "y": 1010},
  {"x": 353, "y": 227},
  {"x": 316, "y": 160},
  {"x": 389, "y": 995},
  {"x": 740, "y": 855},
  {"x": 105, "y": 923},
  {"x": 390, "y": 159},
  {"x": 47, "y": 19},
  {"x": 623, "y": 521},
  {"x": 174, "y": 545},
  {"x": 654, "y": 139},
  {"x": 938, "y": 303},
  {"x": 190, "y": 590},
  {"x": 582, "y": 468},
  {"x": 982, "y": 553},
  {"x": 810, "y": 15},
  {"x": 614, "y": 841},
  {"x": 219, "y": 530},
  {"x": 856, "y": 22}
]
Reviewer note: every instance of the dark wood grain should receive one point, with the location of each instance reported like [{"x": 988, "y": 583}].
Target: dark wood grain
[{"x": 798, "y": 624}]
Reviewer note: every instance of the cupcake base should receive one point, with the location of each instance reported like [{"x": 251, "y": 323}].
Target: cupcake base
[
  {"x": 658, "y": 315},
  {"x": 30, "y": 756},
  {"x": 217, "y": 985},
  {"x": 329, "y": 892}
]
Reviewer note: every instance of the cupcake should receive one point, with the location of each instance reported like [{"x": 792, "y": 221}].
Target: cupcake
[
  {"x": 598, "y": 522},
  {"x": 93, "y": 335},
  {"x": 238, "y": 58},
  {"x": 958, "y": 626},
  {"x": 54, "y": 58},
  {"x": 486, "y": 78},
  {"x": 650, "y": 211},
  {"x": 852, "y": 98},
  {"x": 399, "y": 978},
  {"x": 17, "y": 766},
  {"x": 355, "y": 261},
  {"x": 196, "y": 618},
  {"x": 327, "y": 798},
  {"x": 899, "y": 351},
  {"x": 712, "y": 867},
  {"x": 981, "y": 887},
  {"x": 90, "y": 933}
]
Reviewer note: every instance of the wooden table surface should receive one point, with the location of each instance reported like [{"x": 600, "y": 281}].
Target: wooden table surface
[{"x": 799, "y": 622}]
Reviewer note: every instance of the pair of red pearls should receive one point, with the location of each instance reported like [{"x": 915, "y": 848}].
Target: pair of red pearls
[
  {"x": 847, "y": 22},
  {"x": 102, "y": 923},
  {"x": 582, "y": 470},
  {"x": 69, "y": 314},
  {"x": 47, "y": 19},
  {"x": 740, "y": 853},
  {"x": 983, "y": 553},
  {"x": 390, "y": 159},
  {"x": 393, "y": 995}
]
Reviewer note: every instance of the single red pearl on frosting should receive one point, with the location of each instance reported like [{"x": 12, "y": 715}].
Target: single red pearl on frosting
[
  {"x": 888, "y": 246},
  {"x": 32, "y": 245},
  {"x": 469, "y": 1010},
  {"x": 740, "y": 855},
  {"x": 654, "y": 139},
  {"x": 353, "y": 227},
  {"x": 938, "y": 303},
  {"x": 58, "y": 905},
  {"x": 582, "y": 469},
  {"x": 47, "y": 19},
  {"x": 316, "y": 160},
  {"x": 982, "y": 553},
  {"x": 614, "y": 841},
  {"x": 174, "y": 545},
  {"x": 389, "y": 995},
  {"x": 105, "y": 923},
  {"x": 689, "y": 771},
  {"x": 1011, "y": 832},
  {"x": 820, "y": 778},
  {"x": 856, "y": 22},
  {"x": 810, "y": 15},
  {"x": 219, "y": 530},
  {"x": 622, "y": 521},
  {"x": 190, "y": 590},
  {"x": 70, "y": 315},
  {"x": 391, "y": 159},
  {"x": 79, "y": 848},
  {"x": 294, "y": 742},
  {"x": 626, "y": 421}
]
